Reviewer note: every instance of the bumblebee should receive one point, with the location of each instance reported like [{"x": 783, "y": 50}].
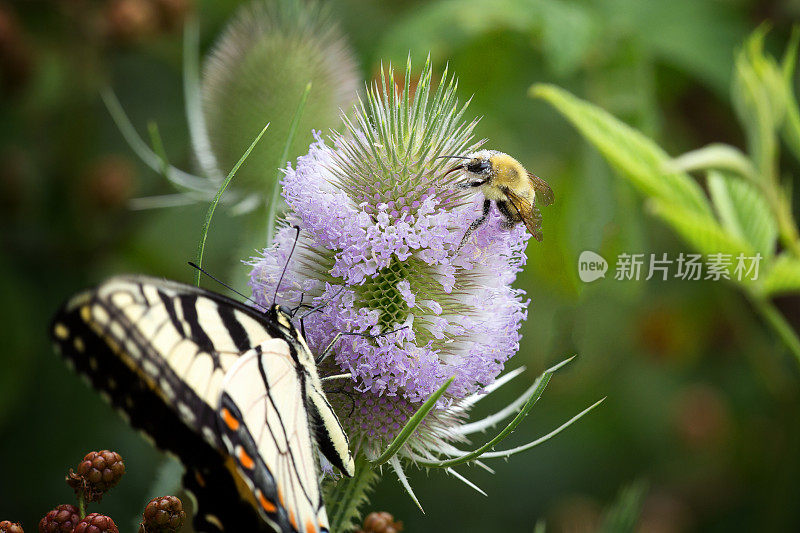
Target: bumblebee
[{"x": 504, "y": 181}]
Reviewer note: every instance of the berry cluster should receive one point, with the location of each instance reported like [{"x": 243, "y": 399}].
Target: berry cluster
[
  {"x": 10, "y": 527},
  {"x": 380, "y": 522},
  {"x": 163, "y": 515},
  {"x": 95, "y": 475}
]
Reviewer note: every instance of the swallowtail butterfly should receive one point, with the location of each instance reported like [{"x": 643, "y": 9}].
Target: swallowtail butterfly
[{"x": 233, "y": 392}]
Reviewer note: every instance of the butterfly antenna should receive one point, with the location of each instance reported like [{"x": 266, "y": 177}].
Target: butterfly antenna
[
  {"x": 300, "y": 305},
  {"x": 450, "y": 157},
  {"x": 321, "y": 357},
  {"x": 342, "y": 390},
  {"x": 323, "y": 304},
  {"x": 204, "y": 271},
  {"x": 291, "y": 253}
]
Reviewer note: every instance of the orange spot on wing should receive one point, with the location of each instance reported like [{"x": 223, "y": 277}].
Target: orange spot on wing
[
  {"x": 230, "y": 420},
  {"x": 245, "y": 460},
  {"x": 293, "y": 520},
  {"x": 310, "y": 527},
  {"x": 267, "y": 505},
  {"x": 280, "y": 497}
]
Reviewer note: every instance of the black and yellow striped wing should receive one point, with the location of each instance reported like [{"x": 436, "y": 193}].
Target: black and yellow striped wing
[{"x": 227, "y": 389}]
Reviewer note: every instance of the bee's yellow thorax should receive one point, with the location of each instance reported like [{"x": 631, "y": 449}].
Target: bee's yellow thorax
[{"x": 507, "y": 171}]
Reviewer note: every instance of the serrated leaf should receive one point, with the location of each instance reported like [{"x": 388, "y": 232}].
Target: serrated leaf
[
  {"x": 703, "y": 234},
  {"x": 783, "y": 276},
  {"x": 632, "y": 153},
  {"x": 743, "y": 211}
]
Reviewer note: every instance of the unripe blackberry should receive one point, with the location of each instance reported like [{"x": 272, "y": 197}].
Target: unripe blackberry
[
  {"x": 97, "y": 473},
  {"x": 129, "y": 21},
  {"x": 381, "y": 522},
  {"x": 7, "y": 526},
  {"x": 62, "y": 519},
  {"x": 163, "y": 515},
  {"x": 96, "y": 523}
]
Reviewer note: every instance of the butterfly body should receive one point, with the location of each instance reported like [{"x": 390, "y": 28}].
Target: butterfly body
[{"x": 233, "y": 392}]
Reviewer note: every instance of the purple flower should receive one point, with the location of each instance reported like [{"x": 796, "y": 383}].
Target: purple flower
[{"x": 380, "y": 226}]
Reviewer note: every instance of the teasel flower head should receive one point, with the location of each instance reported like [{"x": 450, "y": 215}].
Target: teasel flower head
[
  {"x": 276, "y": 60},
  {"x": 369, "y": 245},
  {"x": 380, "y": 225},
  {"x": 256, "y": 74}
]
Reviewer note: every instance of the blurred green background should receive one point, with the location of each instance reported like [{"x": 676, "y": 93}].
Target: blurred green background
[{"x": 702, "y": 398}]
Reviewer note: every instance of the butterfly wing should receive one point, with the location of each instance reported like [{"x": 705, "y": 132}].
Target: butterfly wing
[
  {"x": 265, "y": 426},
  {"x": 159, "y": 351}
]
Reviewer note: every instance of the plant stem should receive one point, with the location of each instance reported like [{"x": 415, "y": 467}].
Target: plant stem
[
  {"x": 781, "y": 208},
  {"x": 778, "y": 323},
  {"x": 82, "y": 506}
]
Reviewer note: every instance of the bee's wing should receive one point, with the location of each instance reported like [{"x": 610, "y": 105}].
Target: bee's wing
[
  {"x": 543, "y": 191},
  {"x": 528, "y": 212}
]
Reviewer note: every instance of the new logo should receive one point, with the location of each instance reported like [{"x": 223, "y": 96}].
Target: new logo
[{"x": 591, "y": 266}]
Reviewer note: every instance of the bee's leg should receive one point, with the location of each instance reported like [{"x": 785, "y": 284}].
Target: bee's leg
[
  {"x": 471, "y": 184},
  {"x": 512, "y": 217},
  {"x": 487, "y": 206}
]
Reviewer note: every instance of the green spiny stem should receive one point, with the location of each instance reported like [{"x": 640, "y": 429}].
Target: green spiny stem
[{"x": 344, "y": 497}]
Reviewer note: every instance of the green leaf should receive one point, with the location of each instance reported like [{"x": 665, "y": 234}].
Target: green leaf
[
  {"x": 633, "y": 154},
  {"x": 716, "y": 156},
  {"x": 451, "y": 24},
  {"x": 744, "y": 211},
  {"x": 704, "y": 234},
  {"x": 759, "y": 98},
  {"x": 543, "y": 438},
  {"x": 192, "y": 97},
  {"x": 158, "y": 147},
  {"x": 541, "y": 385},
  {"x": 782, "y": 276},
  {"x": 140, "y": 148},
  {"x": 412, "y": 424},
  {"x": 568, "y": 32},
  {"x": 791, "y": 127},
  {"x": 210, "y": 213}
]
